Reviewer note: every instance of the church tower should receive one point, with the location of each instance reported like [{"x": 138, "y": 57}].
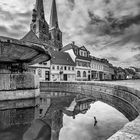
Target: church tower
[
  {"x": 39, "y": 25},
  {"x": 55, "y": 32}
]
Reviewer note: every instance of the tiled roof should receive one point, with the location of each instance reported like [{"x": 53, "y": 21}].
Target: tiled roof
[
  {"x": 61, "y": 58},
  {"x": 31, "y": 37}
]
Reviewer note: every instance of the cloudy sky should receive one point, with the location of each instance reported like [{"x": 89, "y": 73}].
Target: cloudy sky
[{"x": 108, "y": 28}]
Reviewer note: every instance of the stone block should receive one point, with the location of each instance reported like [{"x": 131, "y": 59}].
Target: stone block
[
  {"x": 18, "y": 81},
  {"x": 19, "y": 94}
]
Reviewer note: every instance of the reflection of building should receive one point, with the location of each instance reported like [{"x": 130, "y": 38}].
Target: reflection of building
[
  {"x": 81, "y": 56},
  {"x": 81, "y": 104},
  {"x": 62, "y": 67}
]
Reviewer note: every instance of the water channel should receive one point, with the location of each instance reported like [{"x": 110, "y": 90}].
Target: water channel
[{"x": 82, "y": 127}]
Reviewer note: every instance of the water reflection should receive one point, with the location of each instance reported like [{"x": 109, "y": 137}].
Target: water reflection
[{"x": 82, "y": 127}]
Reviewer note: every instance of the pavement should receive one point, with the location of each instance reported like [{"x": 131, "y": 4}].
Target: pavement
[{"x": 128, "y": 83}]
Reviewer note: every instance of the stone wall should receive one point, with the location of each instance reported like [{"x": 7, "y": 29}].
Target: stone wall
[
  {"x": 131, "y": 131},
  {"x": 126, "y": 100},
  {"x": 19, "y": 99}
]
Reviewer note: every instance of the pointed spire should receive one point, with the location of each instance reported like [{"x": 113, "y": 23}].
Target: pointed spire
[
  {"x": 53, "y": 17},
  {"x": 39, "y": 9}
]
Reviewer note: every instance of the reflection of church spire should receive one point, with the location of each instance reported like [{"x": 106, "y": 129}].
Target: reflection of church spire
[
  {"x": 56, "y": 34},
  {"x": 53, "y": 17},
  {"x": 39, "y": 25}
]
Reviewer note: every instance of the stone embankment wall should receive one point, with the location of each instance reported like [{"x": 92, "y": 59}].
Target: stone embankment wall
[
  {"x": 124, "y": 99},
  {"x": 18, "y": 99}
]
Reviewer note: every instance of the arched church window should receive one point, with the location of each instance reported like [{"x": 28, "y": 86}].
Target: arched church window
[
  {"x": 50, "y": 37},
  {"x": 34, "y": 27},
  {"x": 58, "y": 36}
]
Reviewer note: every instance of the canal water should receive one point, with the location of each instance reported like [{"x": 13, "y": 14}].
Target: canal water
[{"x": 82, "y": 127}]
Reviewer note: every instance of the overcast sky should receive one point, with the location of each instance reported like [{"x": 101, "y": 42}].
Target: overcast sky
[{"x": 108, "y": 28}]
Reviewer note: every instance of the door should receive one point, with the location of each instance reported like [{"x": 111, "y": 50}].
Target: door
[
  {"x": 47, "y": 76},
  {"x": 101, "y": 76},
  {"x": 65, "y": 77}
]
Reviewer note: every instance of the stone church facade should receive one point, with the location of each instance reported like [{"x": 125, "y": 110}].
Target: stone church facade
[{"x": 48, "y": 35}]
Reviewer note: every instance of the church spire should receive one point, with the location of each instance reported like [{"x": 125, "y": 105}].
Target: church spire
[
  {"x": 39, "y": 25},
  {"x": 53, "y": 17},
  {"x": 39, "y": 9},
  {"x": 55, "y": 32}
]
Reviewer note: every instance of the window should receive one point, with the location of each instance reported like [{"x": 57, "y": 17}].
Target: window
[
  {"x": 77, "y": 63},
  {"x": 73, "y": 68},
  {"x": 65, "y": 68},
  {"x": 40, "y": 73},
  {"x": 57, "y": 67},
  {"x": 68, "y": 68},
  {"x": 61, "y": 68},
  {"x": 78, "y": 74},
  {"x": 84, "y": 74},
  {"x": 53, "y": 67},
  {"x": 81, "y": 53},
  {"x": 85, "y": 54},
  {"x": 45, "y": 63},
  {"x": 50, "y": 37},
  {"x": 40, "y": 111}
]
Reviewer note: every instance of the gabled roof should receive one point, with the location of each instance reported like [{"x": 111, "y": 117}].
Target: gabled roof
[
  {"x": 83, "y": 48},
  {"x": 31, "y": 37},
  {"x": 61, "y": 58}
]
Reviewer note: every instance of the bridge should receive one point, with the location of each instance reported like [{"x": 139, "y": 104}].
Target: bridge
[{"x": 120, "y": 95}]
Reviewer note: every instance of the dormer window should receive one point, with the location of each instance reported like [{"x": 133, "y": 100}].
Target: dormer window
[
  {"x": 81, "y": 53},
  {"x": 85, "y": 54}
]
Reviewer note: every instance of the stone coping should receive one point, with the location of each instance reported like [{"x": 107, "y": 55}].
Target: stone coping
[{"x": 131, "y": 131}]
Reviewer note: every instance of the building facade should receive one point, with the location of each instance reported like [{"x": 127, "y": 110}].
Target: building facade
[
  {"x": 42, "y": 70},
  {"x": 62, "y": 67},
  {"x": 101, "y": 69},
  {"x": 81, "y": 57},
  {"x": 68, "y": 63}
]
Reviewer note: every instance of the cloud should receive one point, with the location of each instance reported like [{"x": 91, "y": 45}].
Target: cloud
[
  {"x": 105, "y": 27},
  {"x": 113, "y": 58}
]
